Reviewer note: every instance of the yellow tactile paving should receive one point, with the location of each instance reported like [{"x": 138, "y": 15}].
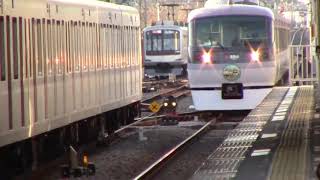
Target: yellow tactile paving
[{"x": 291, "y": 159}]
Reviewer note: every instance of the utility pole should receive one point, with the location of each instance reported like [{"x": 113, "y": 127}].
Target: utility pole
[
  {"x": 145, "y": 13},
  {"x": 187, "y": 10},
  {"x": 172, "y": 6}
]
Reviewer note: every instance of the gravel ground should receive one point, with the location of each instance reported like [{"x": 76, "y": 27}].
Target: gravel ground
[{"x": 129, "y": 156}]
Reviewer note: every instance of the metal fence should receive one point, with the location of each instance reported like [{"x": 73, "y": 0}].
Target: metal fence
[{"x": 303, "y": 65}]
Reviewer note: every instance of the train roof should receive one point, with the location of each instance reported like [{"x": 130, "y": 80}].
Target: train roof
[
  {"x": 95, "y": 4},
  {"x": 225, "y": 10},
  {"x": 157, "y": 27}
]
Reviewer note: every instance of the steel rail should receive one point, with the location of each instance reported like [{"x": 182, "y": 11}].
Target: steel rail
[{"x": 160, "y": 162}]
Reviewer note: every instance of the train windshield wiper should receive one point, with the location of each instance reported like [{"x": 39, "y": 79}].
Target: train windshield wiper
[{"x": 220, "y": 45}]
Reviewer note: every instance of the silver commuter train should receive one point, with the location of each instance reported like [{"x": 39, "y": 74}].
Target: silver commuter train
[
  {"x": 62, "y": 61},
  {"x": 165, "y": 49},
  {"x": 237, "y": 53}
]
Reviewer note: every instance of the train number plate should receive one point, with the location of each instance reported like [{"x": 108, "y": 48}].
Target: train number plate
[{"x": 232, "y": 91}]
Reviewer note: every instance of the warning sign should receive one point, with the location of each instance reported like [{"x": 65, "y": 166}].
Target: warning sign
[{"x": 154, "y": 107}]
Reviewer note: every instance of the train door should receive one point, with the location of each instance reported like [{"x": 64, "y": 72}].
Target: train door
[
  {"x": 59, "y": 71},
  {"x": 102, "y": 49},
  {"x": 77, "y": 65},
  {"x": 130, "y": 61},
  {"x": 4, "y": 81},
  {"x": 38, "y": 46},
  {"x": 118, "y": 64},
  {"x": 68, "y": 82},
  {"x": 108, "y": 49},
  {"x": 112, "y": 72},
  {"x": 31, "y": 81},
  {"x": 122, "y": 62},
  {"x": 138, "y": 62},
  {"x": 127, "y": 62},
  {"x": 92, "y": 63},
  {"x": 85, "y": 71},
  {"x": 98, "y": 67},
  {"x": 14, "y": 84},
  {"x": 50, "y": 88}
]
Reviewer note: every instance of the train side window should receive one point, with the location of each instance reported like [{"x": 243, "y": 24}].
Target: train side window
[
  {"x": 77, "y": 59},
  {"x": 102, "y": 46},
  {"x": 129, "y": 46},
  {"x": 119, "y": 55},
  {"x": 21, "y": 45},
  {"x": 113, "y": 38},
  {"x": 54, "y": 42},
  {"x": 138, "y": 42},
  {"x": 95, "y": 46},
  {"x": 97, "y": 42},
  {"x": 58, "y": 55},
  {"x": 39, "y": 46},
  {"x": 92, "y": 58},
  {"x": 83, "y": 46},
  {"x": 111, "y": 48},
  {"x": 77, "y": 62},
  {"x": 132, "y": 47},
  {"x": 89, "y": 36},
  {"x": 65, "y": 51},
  {"x": 70, "y": 46},
  {"x": 126, "y": 47},
  {"x": 34, "y": 60},
  {"x": 87, "y": 45},
  {"x": 49, "y": 46},
  {"x": 15, "y": 48},
  {"x": 27, "y": 53},
  {"x": 2, "y": 54},
  {"x": 118, "y": 58},
  {"x": 115, "y": 50},
  {"x": 44, "y": 48},
  {"x": 108, "y": 49},
  {"x": 135, "y": 46},
  {"x": 8, "y": 43}
]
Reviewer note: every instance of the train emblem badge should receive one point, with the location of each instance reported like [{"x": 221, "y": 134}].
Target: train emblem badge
[{"x": 231, "y": 72}]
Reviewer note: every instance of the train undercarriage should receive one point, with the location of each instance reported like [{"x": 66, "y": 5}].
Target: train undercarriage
[{"x": 27, "y": 155}]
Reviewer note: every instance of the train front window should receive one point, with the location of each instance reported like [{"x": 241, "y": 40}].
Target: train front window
[
  {"x": 231, "y": 32},
  {"x": 230, "y": 39},
  {"x": 162, "y": 42}
]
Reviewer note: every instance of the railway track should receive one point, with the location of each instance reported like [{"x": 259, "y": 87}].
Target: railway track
[
  {"x": 161, "y": 162},
  {"x": 91, "y": 146}
]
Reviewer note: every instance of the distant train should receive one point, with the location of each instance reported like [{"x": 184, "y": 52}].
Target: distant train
[
  {"x": 165, "y": 49},
  {"x": 237, "y": 54},
  {"x": 62, "y": 61}
]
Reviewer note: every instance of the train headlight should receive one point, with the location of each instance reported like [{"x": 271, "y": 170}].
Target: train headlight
[
  {"x": 206, "y": 58},
  {"x": 165, "y": 104},
  {"x": 255, "y": 56},
  {"x": 174, "y": 104}
]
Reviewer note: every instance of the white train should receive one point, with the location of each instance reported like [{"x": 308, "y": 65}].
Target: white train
[
  {"x": 165, "y": 49},
  {"x": 62, "y": 61},
  {"x": 237, "y": 53}
]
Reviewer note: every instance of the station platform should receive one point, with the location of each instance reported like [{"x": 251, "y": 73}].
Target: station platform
[{"x": 280, "y": 139}]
